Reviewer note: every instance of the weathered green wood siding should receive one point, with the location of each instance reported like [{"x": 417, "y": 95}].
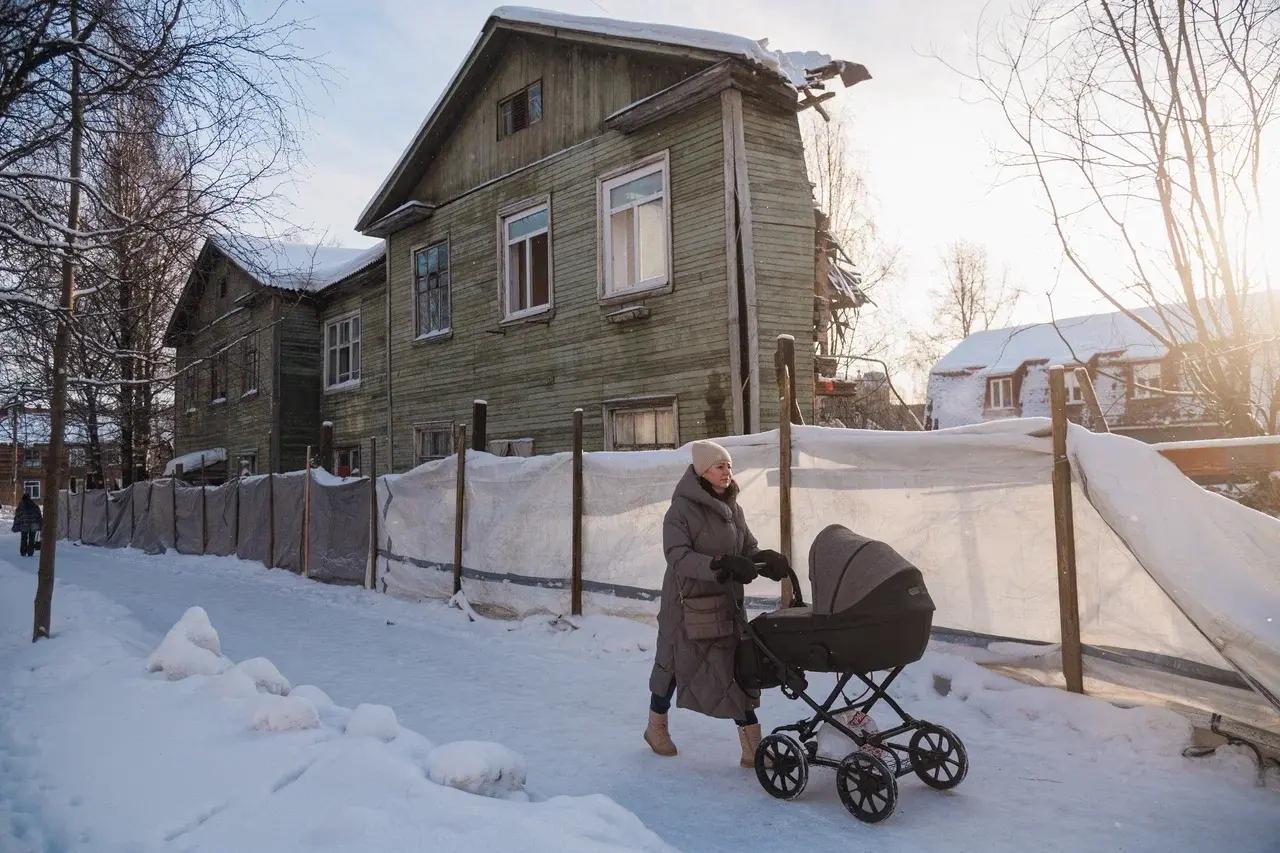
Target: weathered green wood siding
[
  {"x": 581, "y": 86},
  {"x": 360, "y": 413},
  {"x": 783, "y": 233},
  {"x": 298, "y": 377},
  {"x": 533, "y": 375}
]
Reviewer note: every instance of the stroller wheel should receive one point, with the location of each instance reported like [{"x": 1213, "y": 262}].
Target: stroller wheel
[
  {"x": 782, "y": 766},
  {"x": 867, "y": 787},
  {"x": 938, "y": 757}
]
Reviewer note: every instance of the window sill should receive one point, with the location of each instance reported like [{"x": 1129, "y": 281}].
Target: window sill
[
  {"x": 218, "y": 401},
  {"x": 434, "y": 337},
  {"x": 535, "y": 315},
  {"x": 342, "y": 386},
  {"x": 191, "y": 410},
  {"x": 247, "y": 394},
  {"x": 618, "y": 297}
]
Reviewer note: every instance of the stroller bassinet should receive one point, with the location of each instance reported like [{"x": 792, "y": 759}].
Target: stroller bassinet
[{"x": 871, "y": 612}]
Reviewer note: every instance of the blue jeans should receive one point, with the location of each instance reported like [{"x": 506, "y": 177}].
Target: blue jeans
[{"x": 662, "y": 704}]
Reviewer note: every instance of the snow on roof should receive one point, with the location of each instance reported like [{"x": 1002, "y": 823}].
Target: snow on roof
[
  {"x": 998, "y": 351},
  {"x": 297, "y": 266},
  {"x": 787, "y": 65},
  {"x": 195, "y": 459}
]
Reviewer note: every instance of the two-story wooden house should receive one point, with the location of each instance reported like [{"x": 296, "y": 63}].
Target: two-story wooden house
[
  {"x": 604, "y": 215},
  {"x": 272, "y": 340}
]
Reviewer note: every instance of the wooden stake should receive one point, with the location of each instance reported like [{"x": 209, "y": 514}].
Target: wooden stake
[
  {"x": 271, "y": 520},
  {"x": 785, "y": 343},
  {"x": 479, "y": 425},
  {"x": 1099, "y": 420},
  {"x": 306, "y": 518},
  {"x": 460, "y": 491},
  {"x": 235, "y": 530},
  {"x": 84, "y": 490},
  {"x": 177, "y": 478},
  {"x": 373, "y": 513},
  {"x": 204, "y": 513},
  {"x": 1064, "y": 530},
  {"x": 576, "y": 577}
]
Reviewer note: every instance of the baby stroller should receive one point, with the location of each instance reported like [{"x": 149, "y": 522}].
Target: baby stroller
[{"x": 871, "y": 613}]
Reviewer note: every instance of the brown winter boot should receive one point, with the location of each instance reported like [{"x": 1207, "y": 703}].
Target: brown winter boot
[
  {"x": 749, "y": 737},
  {"x": 657, "y": 735}
]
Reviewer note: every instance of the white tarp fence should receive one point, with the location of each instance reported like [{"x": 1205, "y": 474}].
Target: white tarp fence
[{"x": 1179, "y": 588}]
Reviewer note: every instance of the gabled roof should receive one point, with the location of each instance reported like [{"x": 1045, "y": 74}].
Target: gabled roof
[
  {"x": 297, "y": 267},
  {"x": 699, "y": 45}
]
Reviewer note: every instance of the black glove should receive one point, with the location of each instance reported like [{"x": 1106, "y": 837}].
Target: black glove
[
  {"x": 774, "y": 566},
  {"x": 732, "y": 567}
]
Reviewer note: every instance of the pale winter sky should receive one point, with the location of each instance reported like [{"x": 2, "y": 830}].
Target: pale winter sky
[{"x": 926, "y": 143}]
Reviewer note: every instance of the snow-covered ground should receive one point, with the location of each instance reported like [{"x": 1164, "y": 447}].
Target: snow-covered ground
[{"x": 98, "y": 754}]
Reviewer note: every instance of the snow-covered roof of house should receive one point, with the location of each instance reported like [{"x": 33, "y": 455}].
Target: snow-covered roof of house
[
  {"x": 297, "y": 266},
  {"x": 789, "y": 66},
  {"x": 1071, "y": 340},
  {"x": 196, "y": 459}
]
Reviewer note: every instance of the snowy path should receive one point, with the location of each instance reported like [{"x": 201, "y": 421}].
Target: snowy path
[{"x": 1050, "y": 771}]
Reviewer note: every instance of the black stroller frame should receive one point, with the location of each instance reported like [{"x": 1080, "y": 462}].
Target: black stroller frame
[{"x": 867, "y": 785}]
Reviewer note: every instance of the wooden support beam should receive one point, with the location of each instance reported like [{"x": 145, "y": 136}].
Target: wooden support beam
[
  {"x": 479, "y": 425},
  {"x": 271, "y": 520},
  {"x": 575, "y": 581},
  {"x": 373, "y": 513},
  {"x": 204, "y": 511},
  {"x": 1064, "y": 530},
  {"x": 326, "y": 447},
  {"x": 177, "y": 478},
  {"x": 1098, "y": 421},
  {"x": 784, "y": 457},
  {"x": 460, "y": 503},
  {"x": 306, "y": 517}
]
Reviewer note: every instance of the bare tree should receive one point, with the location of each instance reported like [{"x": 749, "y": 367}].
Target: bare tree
[
  {"x": 1144, "y": 123},
  {"x": 972, "y": 298}
]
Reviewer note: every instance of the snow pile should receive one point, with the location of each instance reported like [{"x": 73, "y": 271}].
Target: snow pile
[
  {"x": 313, "y": 694},
  {"x": 376, "y": 721},
  {"x": 285, "y": 714},
  {"x": 479, "y": 767},
  {"x": 265, "y": 676},
  {"x": 191, "y": 647}
]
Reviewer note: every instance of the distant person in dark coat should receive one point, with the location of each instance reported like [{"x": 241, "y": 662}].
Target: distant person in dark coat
[{"x": 27, "y": 521}]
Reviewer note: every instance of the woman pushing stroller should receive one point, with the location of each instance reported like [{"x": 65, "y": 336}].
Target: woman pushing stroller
[{"x": 709, "y": 550}]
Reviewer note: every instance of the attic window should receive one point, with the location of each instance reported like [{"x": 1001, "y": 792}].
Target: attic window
[
  {"x": 518, "y": 111},
  {"x": 1000, "y": 393}
]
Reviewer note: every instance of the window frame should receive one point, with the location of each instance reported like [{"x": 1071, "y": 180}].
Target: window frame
[
  {"x": 650, "y": 402},
  {"x": 27, "y": 489},
  {"x": 507, "y": 99},
  {"x": 252, "y": 456},
  {"x": 354, "y": 453},
  {"x": 39, "y": 457},
  {"x": 1137, "y": 393},
  {"x": 608, "y": 180},
  {"x": 507, "y": 213},
  {"x": 436, "y": 334},
  {"x": 353, "y": 340},
  {"x": 218, "y": 361},
  {"x": 992, "y": 383},
  {"x": 431, "y": 426},
  {"x": 1071, "y": 384}
]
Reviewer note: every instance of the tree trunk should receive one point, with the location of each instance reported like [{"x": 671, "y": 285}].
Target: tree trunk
[{"x": 58, "y": 399}]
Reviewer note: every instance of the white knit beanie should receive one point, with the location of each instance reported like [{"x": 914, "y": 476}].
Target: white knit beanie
[{"x": 706, "y": 454}]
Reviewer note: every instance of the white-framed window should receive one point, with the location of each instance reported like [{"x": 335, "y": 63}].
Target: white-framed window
[
  {"x": 635, "y": 228},
  {"x": 342, "y": 352},
  {"x": 1148, "y": 374},
  {"x": 1000, "y": 392},
  {"x": 432, "y": 299},
  {"x": 1075, "y": 394},
  {"x": 247, "y": 462},
  {"x": 346, "y": 461},
  {"x": 31, "y": 488},
  {"x": 432, "y": 441},
  {"x": 31, "y": 457},
  {"x": 648, "y": 423},
  {"x": 249, "y": 364},
  {"x": 525, "y": 240}
]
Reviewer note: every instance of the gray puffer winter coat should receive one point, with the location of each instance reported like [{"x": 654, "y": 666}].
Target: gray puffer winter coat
[{"x": 696, "y": 633}]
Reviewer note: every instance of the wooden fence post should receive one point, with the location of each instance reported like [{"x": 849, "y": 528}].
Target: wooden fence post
[
  {"x": 235, "y": 530},
  {"x": 271, "y": 520},
  {"x": 1091, "y": 400},
  {"x": 479, "y": 425},
  {"x": 177, "y": 477},
  {"x": 306, "y": 517},
  {"x": 783, "y": 358},
  {"x": 326, "y": 448},
  {"x": 84, "y": 490},
  {"x": 460, "y": 491},
  {"x": 575, "y": 581},
  {"x": 373, "y": 512},
  {"x": 1064, "y": 530},
  {"x": 204, "y": 513}
]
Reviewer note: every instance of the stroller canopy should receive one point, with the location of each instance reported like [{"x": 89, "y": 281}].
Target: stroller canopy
[{"x": 844, "y": 568}]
